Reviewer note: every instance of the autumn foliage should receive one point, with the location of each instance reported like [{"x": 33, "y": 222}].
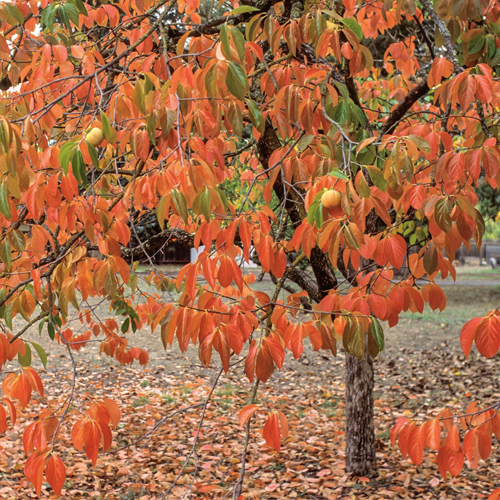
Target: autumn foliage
[{"x": 113, "y": 112}]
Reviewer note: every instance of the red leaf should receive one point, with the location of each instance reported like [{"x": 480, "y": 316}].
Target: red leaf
[
  {"x": 264, "y": 367},
  {"x": 488, "y": 336},
  {"x": 468, "y": 335},
  {"x": 246, "y": 413},
  {"x": 453, "y": 439},
  {"x": 55, "y": 472},
  {"x": 17, "y": 387},
  {"x": 33, "y": 469},
  {"x": 432, "y": 433},
  {"x": 449, "y": 460},
  {"x": 416, "y": 445},
  {"x": 441, "y": 67},
  {"x": 250, "y": 361},
  {"x": 272, "y": 433},
  {"x": 92, "y": 440},
  {"x": 266, "y": 252},
  {"x": 396, "y": 429},
  {"x": 113, "y": 410},
  {"x": 3, "y": 419},
  {"x": 495, "y": 494},
  {"x": 34, "y": 380}
]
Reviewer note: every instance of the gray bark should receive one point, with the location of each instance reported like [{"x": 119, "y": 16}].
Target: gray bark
[{"x": 359, "y": 426}]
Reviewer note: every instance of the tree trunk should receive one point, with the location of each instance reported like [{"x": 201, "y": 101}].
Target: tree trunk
[{"x": 360, "y": 430}]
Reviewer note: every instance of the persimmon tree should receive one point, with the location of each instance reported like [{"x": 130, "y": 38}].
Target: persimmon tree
[{"x": 356, "y": 132}]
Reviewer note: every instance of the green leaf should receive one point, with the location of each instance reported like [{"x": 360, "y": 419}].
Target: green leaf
[
  {"x": 79, "y": 167},
  {"x": 315, "y": 214},
  {"x": 18, "y": 240},
  {"x": 243, "y": 10},
  {"x": 63, "y": 14},
  {"x": 338, "y": 174},
  {"x": 239, "y": 42},
  {"x": 12, "y": 14},
  {"x": 107, "y": 130},
  {"x": 125, "y": 325},
  {"x": 51, "y": 331},
  {"x": 5, "y": 256},
  {"x": 25, "y": 359},
  {"x": 66, "y": 154},
  {"x": 41, "y": 325},
  {"x": 376, "y": 341},
  {"x": 353, "y": 338},
  {"x": 377, "y": 177},
  {"x": 224, "y": 38},
  {"x": 341, "y": 112},
  {"x": 8, "y": 315},
  {"x": 476, "y": 44},
  {"x": 206, "y": 204},
  {"x": 72, "y": 13},
  {"x": 48, "y": 16},
  {"x": 354, "y": 26},
  {"x": 211, "y": 81},
  {"x": 349, "y": 237},
  {"x": 4, "y": 201},
  {"x": 442, "y": 216},
  {"x": 236, "y": 80},
  {"x": 420, "y": 142},
  {"x": 151, "y": 127},
  {"x": 180, "y": 204},
  {"x": 41, "y": 353},
  {"x": 255, "y": 115},
  {"x": 93, "y": 155},
  {"x": 79, "y": 5},
  {"x": 304, "y": 142},
  {"x": 491, "y": 46},
  {"x": 160, "y": 211},
  {"x": 138, "y": 98},
  {"x": 253, "y": 26}
]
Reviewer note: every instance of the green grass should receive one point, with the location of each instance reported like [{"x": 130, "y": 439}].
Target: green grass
[
  {"x": 463, "y": 303},
  {"x": 168, "y": 399},
  {"x": 142, "y": 401}
]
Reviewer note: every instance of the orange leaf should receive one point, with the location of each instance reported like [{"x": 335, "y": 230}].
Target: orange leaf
[
  {"x": 17, "y": 387},
  {"x": 33, "y": 469},
  {"x": 453, "y": 439},
  {"x": 432, "y": 433},
  {"x": 246, "y": 413},
  {"x": 495, "y": 494},
  {"x": 488, "y": 336},
  {"x": 396, "y": 429},
  {"x": 34, "y": 380},
  {"x": 272, "y": 433},
  {"x": 55, "y": 472},
  {"x": 416, "y": 445},
  {"x": 468, "y": 335},
  {"x": 266, "y": 252}
]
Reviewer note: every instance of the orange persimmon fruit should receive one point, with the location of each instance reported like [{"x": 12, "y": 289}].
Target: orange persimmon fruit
[
  {"x": 331, "y": 198},
  {"x": 95, "y": 136}
]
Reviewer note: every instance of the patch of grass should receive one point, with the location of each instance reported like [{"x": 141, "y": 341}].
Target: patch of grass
[
  {"x": 329, "y": 403},
  {"x": 225, "y": 405},
  {"x": 168, "y": 399},
  {"x": 144, "y": 383},
  {"x": 383, "y": 435},
  {"x": 227, "y": 390},
  {"x": 463, "y": 303},
  {"x": 142, "y": 401}
]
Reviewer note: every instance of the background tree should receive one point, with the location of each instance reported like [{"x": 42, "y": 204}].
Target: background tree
[{"x": 114, "y": 114}]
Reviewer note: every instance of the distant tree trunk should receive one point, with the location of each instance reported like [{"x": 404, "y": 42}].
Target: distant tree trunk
[{"x": 360, "y": 429}]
